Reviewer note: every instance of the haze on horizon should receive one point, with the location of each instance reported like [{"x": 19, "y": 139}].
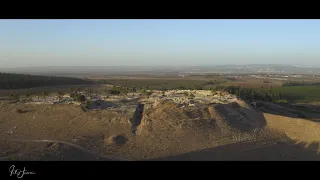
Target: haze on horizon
[{"x": 34, "y": 43}]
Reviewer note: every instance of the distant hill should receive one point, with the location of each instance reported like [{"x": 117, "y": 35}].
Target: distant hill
[{"x": 19, "y": 81}]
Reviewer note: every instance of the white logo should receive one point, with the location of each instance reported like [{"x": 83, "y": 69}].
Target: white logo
[{"x": 20, "y": 173}]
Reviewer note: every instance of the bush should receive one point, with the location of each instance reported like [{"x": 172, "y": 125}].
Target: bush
[
  {"x": 114, "y": 91},
  {"x": 281, "y": 101},
  {"x": 80, "y": 98},
  {"x": 148, "y": 93},
  {"x": 19, "y": 110},
  {"x": 191, "y": 96},
  {"x": 86, "y": 104}
]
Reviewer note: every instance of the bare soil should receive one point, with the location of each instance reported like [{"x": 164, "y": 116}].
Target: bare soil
[{"x": 165, "y": 131}]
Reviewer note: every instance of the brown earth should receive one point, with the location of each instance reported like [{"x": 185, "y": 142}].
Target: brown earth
[{"x": 165, "y": 132}]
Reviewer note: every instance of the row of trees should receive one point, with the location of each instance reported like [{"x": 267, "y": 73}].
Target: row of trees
[
  {"x": 293, "y": 83},
  {"x": 265, "y": 94},
  {"x": 300, "y": 83}
]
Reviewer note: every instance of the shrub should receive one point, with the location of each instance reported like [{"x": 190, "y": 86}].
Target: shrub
[
  {"x": 15, "y": 96},
  {"x": 114, "y": 91},
  {"x": 80, "y": 98},
  {"x": 86, "y": 104},
  {"x": 148, "y": 93},
  {"x": 191, "y": 96},
  {"x": 281, "y": 101},
  {"x": 19, "y": 111}
]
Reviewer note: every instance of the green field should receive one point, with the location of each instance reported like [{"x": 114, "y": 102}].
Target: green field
[{"x": 300, "y": 93}]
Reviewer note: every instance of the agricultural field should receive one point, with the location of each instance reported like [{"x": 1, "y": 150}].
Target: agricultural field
[{"x": 300, "y": 94}]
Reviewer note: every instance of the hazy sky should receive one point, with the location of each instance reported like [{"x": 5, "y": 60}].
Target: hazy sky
[{"x": 158, "y": 42}]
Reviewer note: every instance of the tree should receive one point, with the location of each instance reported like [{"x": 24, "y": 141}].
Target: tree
[
  {"x": 213, "y": 91},
  {"x": 191, "y": 96},
  {"x": 15, "y": 96},
  {"x": 126, "y": 90},
  {"x": 144, "y": 91},
  {"x": 134, "y": 90},
  {"x": 78, "y": 90},
  {"x": 89, "y": 93},
  {"x": 28, "y": 95},
  {"x": 148, "y": 93},
  {"x": 60, "y": 95},
  {"x": 45, "y": 94},
  {"x": 71, "y": 90},
  {"x": 164, "y": 91},
  {"x": 87, "y": 104},
  {"x": 268, "y": 97},
  {"x": 38, "y": 95},
  {"x": 280, "y": 95},
  {"x": 80, "y": 98},
  {"x": 114, "y": 91}
]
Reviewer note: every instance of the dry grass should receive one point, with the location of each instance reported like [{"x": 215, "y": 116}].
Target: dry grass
[
  {"x": 296, "y": 128},
  {"x": 59, "y": 121}
]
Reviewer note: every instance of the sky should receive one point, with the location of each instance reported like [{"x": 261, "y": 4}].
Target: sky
[{"x": 34, "y": 43}]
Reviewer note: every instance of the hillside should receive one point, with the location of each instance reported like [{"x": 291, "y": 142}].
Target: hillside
[{"x": 169, "y": 126}]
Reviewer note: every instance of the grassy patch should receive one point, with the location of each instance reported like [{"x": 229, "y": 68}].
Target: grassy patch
[{"x": 281, "y": 101}]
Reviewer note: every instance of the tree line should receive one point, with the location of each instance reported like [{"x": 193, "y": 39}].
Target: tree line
[
  {"x": 300, "y": 83},
  {"x": 262, "y": 93}
]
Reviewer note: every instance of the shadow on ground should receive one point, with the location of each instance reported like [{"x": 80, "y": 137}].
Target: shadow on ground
[
  {"x": 137, "y": 117},
  {"x": 241, "y": 118},
  {"x": 101, "y": 104},
  {"x": 288, "y": 110},
  {"x": 273, "y": 151}
]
